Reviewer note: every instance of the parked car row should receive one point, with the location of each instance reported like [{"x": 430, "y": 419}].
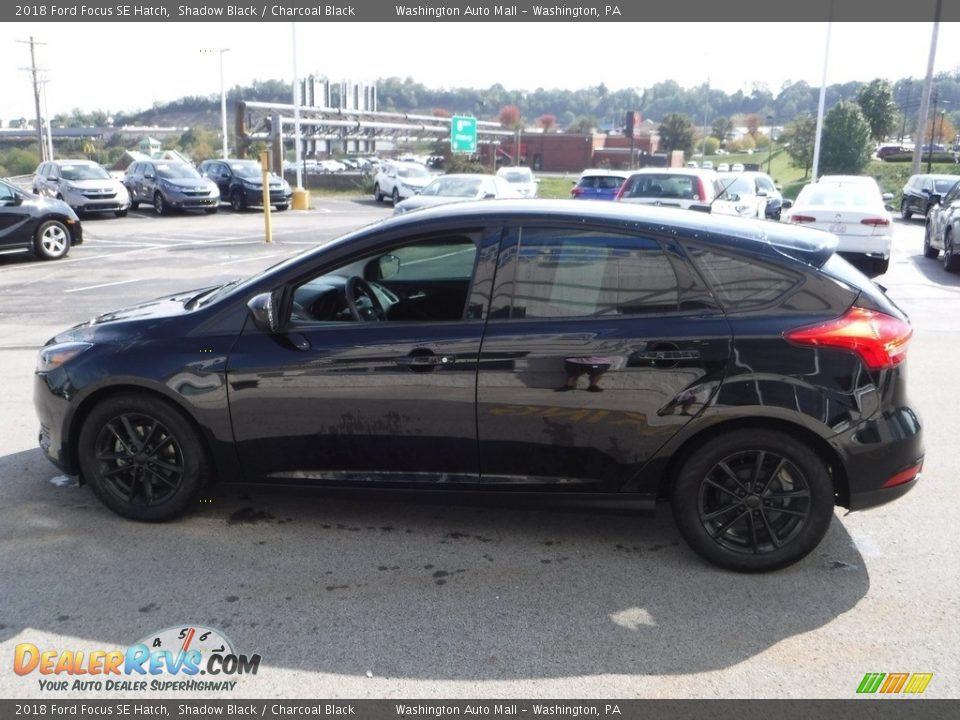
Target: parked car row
[{"x": 943, "y": 227}]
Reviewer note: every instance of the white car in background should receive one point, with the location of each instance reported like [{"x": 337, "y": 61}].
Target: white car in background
[
  {"x": 748, "y": 194},
  {"x": 400, "y": 180},
  {"x": 521, "y": 178},
  {"x": 458, "y": 188},
  {"x": 853, "y": 209}
]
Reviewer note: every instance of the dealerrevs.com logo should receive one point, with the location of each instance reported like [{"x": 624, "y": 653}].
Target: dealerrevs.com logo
[{"x": 172, "y": 660}]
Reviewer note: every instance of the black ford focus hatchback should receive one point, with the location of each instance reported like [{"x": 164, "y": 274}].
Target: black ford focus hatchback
[{"x": 739, "y": 369}]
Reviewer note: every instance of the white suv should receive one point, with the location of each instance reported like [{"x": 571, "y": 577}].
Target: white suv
[{"x": 400, "y": 180}]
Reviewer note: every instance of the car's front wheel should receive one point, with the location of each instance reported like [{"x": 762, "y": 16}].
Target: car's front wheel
[
  {"x": 377, "y": 195},
  {"x": 951, "y": 263},
  {"x": 142, "y": 457},
  {"x": 396, "y": 196},
  {"x": 753, "y": 500},
  {"x": 120, "y": 213},
  {"x": 160, "y": 206},
  {"x": 282, "y": 206},
  {"x": 238, "y": 203},
  {"x": 52, "y": 240},
  {"x": 905, "y": 211},
  {"x": 929, "y": 251}
]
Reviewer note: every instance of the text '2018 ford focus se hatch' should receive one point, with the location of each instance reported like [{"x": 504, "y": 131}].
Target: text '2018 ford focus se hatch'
[{"x": 740, "y": 369}]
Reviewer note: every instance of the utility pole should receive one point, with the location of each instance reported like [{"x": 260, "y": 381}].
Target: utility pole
[
  {"x": 925, "y": 100},
  {"x": 33, "y": 69}
]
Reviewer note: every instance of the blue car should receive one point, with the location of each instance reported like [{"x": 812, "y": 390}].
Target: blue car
[{"x": 598, "y": 185}]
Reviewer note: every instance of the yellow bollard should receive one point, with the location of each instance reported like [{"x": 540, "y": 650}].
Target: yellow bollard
[
  {"x": 301, "y": 199},
  {"x": 265, "y": 172}
]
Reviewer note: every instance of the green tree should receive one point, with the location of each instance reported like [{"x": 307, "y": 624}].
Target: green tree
[
  {"x": 721, "y": 127},
  {"x": 583, "y": 125},
  {"x": 798, "y": 138},
  {"x": 876, "y": 104},
  {"x": 676, "y": 133},
  {"x": 711, "y": 145},
  {"x": 845, "y": 147}
]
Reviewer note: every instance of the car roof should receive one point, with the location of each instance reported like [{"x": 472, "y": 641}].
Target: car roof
[
  {"x": 675, "y": 171},
  {"x": 808, "y": 246},
  {"x": 74, "y": 162},
  {"x": 605, "y": 171}
]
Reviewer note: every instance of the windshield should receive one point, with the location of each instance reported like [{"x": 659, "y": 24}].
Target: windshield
[
  {"x": 83, "y": 172},
  {"x": 737, "y": 186},
  {"x": 246, "y": 169},
  {"x": 176, "y": 170},
  {"x": 412, "y": 171},
  {"x": 453, "y": 187}
]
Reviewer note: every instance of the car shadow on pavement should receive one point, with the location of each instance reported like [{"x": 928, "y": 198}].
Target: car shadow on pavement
[
  {"x": 346, "y": 584},
  {"x": 933, "y": 271}
]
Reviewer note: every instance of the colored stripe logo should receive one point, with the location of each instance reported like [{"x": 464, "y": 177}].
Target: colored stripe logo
[{"x": 894, "y": 683}]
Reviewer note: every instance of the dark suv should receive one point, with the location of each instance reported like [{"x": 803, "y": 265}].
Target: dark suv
[
  {"x": 922, "y": 192},
  {"x": 587, "y": 351},
  {"x": 168, "y": 184},
  {"x": 241, "y": 184}
]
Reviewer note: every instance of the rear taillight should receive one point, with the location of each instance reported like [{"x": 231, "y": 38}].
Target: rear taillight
[
  {"x": 802, "y": 218},
  {"x": 576, "y": 192},
  {"x": 701, "y": 190},
  {"x": 876, "y": 222},
  {"x": 879, "y": 339},
  {"x": 905, "y": 476}
]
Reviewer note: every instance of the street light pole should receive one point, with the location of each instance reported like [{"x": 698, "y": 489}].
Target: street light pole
[
  {"x": 223, "y": 98},
  {"x": 770, "y": 147},
  {"x": 903, "y": 125}
]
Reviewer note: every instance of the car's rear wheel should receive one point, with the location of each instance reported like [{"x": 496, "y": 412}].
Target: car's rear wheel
[
  {"x": 396, "y": 196},
  {"x": 928, "y": 250},
  {"x": 950, "y": 261},
  {"x": 142, "y": 458},
  {"x": 753, "y": 500},
  {"x": 238, "y": 203},
  {"x": 160, "y": 206},
  {"x": 881, "y": 266},
  {"x": 905, "y": 212},
  {"x": 377, "y": 195},
  {"x": 52, "y": 240}
]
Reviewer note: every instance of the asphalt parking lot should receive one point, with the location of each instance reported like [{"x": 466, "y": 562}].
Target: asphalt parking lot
[{"x": 357, "y": 596}]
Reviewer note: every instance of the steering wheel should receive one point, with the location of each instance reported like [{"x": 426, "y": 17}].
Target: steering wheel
[{"x": 357, "y": 290}]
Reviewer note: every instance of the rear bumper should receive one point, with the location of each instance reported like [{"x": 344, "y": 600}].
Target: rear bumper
[{"x": 873, "y": 498}]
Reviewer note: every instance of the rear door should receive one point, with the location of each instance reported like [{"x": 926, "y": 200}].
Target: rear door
[{"x": 600, "y": 346}]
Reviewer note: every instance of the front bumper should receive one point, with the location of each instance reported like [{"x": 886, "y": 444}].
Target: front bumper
[
  {"x": 254, "y": 196},
  {"x": 51, "y": 392},
  {"x": 186, "y": 202}
]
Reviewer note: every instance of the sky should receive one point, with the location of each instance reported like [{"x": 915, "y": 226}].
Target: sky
[{"x": 129, "y": 66}]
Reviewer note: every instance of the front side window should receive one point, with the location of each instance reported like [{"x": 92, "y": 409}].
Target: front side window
[
  {"x": 564, "y": 273},
  {"x": 427, "y": 279}
]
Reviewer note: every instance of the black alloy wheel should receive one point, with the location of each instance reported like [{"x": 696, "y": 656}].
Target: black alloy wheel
[
  {"x": 141, "y": 457},
  {"x": 753, "y": 500},
  {"x": 160, "y": 206},
  {"x": 951, "y": 263},
  {"x": 905, "y": 212},
  {"x": 238, "y": 202}
]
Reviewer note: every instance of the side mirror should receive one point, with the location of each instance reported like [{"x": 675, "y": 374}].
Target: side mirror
[
  {"x": 925, "y": 191},
  {"x": 149, "y": 176},
  {"x": 12, "y": 201},
  {"x": 786, "y": 204},
  {"x": 761, "y": 193},
  {"x": 887, "y": 196},
  {"x": 389, "y": 266},
  {"x": 888, "y": 207},
  {"x": 934, "y": 198},
  {"x": 264, "y": 309},
  {"x": 51, "y": 178},
  {"x": 489, "y": 196}
]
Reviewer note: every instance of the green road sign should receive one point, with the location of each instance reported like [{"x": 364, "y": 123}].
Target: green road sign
[{"x": 463, "y": 134}]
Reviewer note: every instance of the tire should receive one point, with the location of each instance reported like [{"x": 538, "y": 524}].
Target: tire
[
  {"x": 120, "y": 213},
  {"x": 377, "y": 195},
  {"x": 160, "y": 206},
  {"x": 880, "y": 266},
  {"x": 142, "y": 457},
  {"x": 134, "y": 204},
  {"x": 395, "y": 197},
  {"x": 282, "y": 206},
  {"x": 729, "y": 520},
  {"x": 951, "y": 263},
  {"x": 928, "y": 250},
  {"x": 238, "y": 203},
  {"x": 905, "y": 212},
  {"x": 51, "y": 241}
]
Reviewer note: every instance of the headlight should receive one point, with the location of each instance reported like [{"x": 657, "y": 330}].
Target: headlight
[
  {"x": 68, "y": 186},
  {"x": 53, "y": 356},
  {"x": 167, "y": 185}
]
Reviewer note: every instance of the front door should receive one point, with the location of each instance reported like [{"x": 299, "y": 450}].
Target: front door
[{"x": 373, "y": 378}]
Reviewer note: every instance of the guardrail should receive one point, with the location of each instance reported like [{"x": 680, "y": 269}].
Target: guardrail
[{"x": 24, "y": 182}]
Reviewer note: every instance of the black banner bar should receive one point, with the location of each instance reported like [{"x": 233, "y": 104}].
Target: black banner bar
[
  {"x": 860, "y": 709},
  {"x": 740, "y": 11}
]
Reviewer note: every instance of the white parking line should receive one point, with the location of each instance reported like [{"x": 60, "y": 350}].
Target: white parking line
[
  {"x": 248, "y": 259},
  {"x": 103, "y": 285}
]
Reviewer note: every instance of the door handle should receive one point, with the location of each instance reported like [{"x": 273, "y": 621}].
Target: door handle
[{"x": 423, "y": 363}]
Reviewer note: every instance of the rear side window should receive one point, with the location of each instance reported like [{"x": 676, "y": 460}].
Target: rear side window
[{"x": 562, "y": 273}]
